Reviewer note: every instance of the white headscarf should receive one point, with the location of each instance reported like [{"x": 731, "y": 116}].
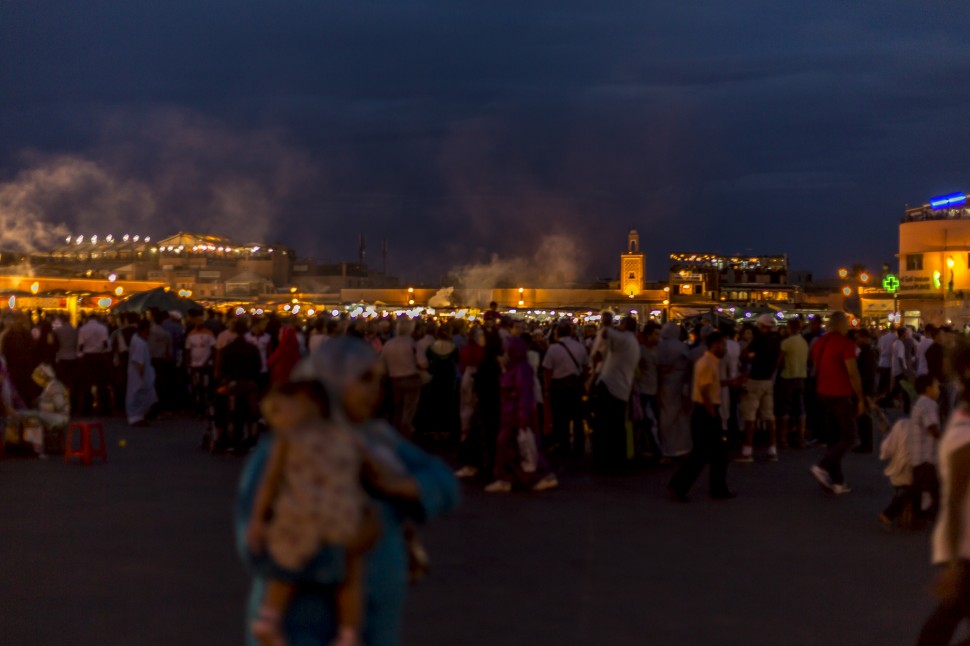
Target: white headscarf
[{"x": 336, "y": 364}]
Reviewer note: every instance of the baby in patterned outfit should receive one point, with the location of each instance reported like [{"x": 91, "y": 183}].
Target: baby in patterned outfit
[{"x": 311, "y": 495}]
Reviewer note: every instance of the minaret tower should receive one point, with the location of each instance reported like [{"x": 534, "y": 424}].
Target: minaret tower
[{"x": 632, "y": 266}]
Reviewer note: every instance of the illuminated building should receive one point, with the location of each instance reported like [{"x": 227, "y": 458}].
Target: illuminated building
[
  {"x": 934, "y": 262},
  {"x": 209, "y": 266},
  {"x": 710, "y": 278}
]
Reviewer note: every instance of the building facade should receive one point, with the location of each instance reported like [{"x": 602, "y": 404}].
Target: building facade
[
  {"x": 701, "y": 278},
  {"x": 934, "y": 262}
]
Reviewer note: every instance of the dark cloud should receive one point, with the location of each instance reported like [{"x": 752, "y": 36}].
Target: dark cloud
[{"x": 463, "y": 129}]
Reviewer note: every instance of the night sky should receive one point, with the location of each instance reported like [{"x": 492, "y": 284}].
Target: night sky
[{"x": 531, "y": 129}]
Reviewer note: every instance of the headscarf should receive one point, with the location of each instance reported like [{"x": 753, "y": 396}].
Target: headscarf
[
  {"x": 336, "y": 364},
  {"x": 286, "y": 355},
  {"x": 671, "y": 349}
]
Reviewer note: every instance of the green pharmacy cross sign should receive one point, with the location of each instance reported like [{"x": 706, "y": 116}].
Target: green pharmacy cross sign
[{"x": 890, "y": 283}]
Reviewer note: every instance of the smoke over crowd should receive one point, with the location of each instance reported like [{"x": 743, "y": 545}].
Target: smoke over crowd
[
  {"x": 557, "y": 262},
  {"x": 155, "y": 174}
]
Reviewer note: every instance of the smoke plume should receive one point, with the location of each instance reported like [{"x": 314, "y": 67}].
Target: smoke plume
[
  {"x": 557, "y": 262},
  {"x": 156, "y": 174}
]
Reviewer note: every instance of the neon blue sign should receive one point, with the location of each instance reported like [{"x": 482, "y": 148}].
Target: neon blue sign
[{"x": 947, "y": 201}]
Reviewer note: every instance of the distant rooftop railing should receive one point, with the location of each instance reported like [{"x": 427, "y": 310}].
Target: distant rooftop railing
[{"x": 926, "y": 213}]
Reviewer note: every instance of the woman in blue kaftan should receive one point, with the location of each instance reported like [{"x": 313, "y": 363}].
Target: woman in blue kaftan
[{"x": 351, "y": 372}]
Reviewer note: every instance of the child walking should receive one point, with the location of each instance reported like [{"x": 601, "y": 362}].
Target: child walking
[
  {"x": 911, "y": 450},
  {"x": 311, "y": 495},
  {"x": 895, "y": 448}
]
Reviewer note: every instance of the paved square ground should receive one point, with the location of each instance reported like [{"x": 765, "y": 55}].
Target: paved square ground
[{"x": 140, "y": 551}]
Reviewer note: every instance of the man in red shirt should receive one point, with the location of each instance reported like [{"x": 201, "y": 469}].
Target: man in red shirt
[{"x": 840, "y": 399}]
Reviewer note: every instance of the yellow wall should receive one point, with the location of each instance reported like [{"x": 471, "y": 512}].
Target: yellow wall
[
  {"x": 79, "y": 285},
  {"x": 937, "y": 240}
]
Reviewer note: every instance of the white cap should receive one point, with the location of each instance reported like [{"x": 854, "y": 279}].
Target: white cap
[{"x": 766, "y": 320}]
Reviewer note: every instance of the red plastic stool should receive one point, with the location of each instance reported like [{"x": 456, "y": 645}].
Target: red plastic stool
[{"x": 85, "y": 451}]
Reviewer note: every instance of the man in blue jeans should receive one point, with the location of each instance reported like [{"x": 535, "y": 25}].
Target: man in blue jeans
[{"x": 840, "y": 399}]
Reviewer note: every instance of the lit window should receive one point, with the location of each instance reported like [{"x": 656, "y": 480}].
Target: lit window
[{"x": 914, "y": 262}]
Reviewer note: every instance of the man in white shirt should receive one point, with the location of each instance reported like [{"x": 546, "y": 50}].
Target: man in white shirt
[
  {"x": 200, "y": 345},
  {"x": 885, "y": 347},
  {"x": 400, "y": 362},
  {"x": 565, "y": 366},
  {"x": 93, "y": 366},
  {"x": 730, "y": 370},
  {"x": 922, "y": 368},
  {"x": 951, "y": 539},
  {"x": 926, "y": 432},
  {"x": 613, "y": 388},
  {"x": 900, "y": 369}
]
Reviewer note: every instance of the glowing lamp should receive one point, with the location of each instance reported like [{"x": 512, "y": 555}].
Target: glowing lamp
[
  {"x": 411, "y": 301},
  {"x": 112, "y": 278},
  {"x": 521, "y": 290},
  {"x": 35, "y": 287},
  {"x": 410, "y": 290},
  {"x": 950, "y": 262},
  {"x": 119, "y": 291},
  {"x": 521, "y": 303},
  {"x": 843, "y": 273},
  {"x": 240, "y": 311},
  {"x": 292, "y": 290},
  {"x": 847, "y": 291},
  {"x": 12, "y": 302},
  {"x": 864, "y": 277},
  {"x": 666, "y": 302},
  {"x": 105, "y": 302}
]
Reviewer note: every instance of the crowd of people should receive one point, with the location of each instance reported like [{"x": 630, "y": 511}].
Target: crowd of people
[
  {"x": 512, "y": 396},
  {"x": 513, "y": 401}
]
